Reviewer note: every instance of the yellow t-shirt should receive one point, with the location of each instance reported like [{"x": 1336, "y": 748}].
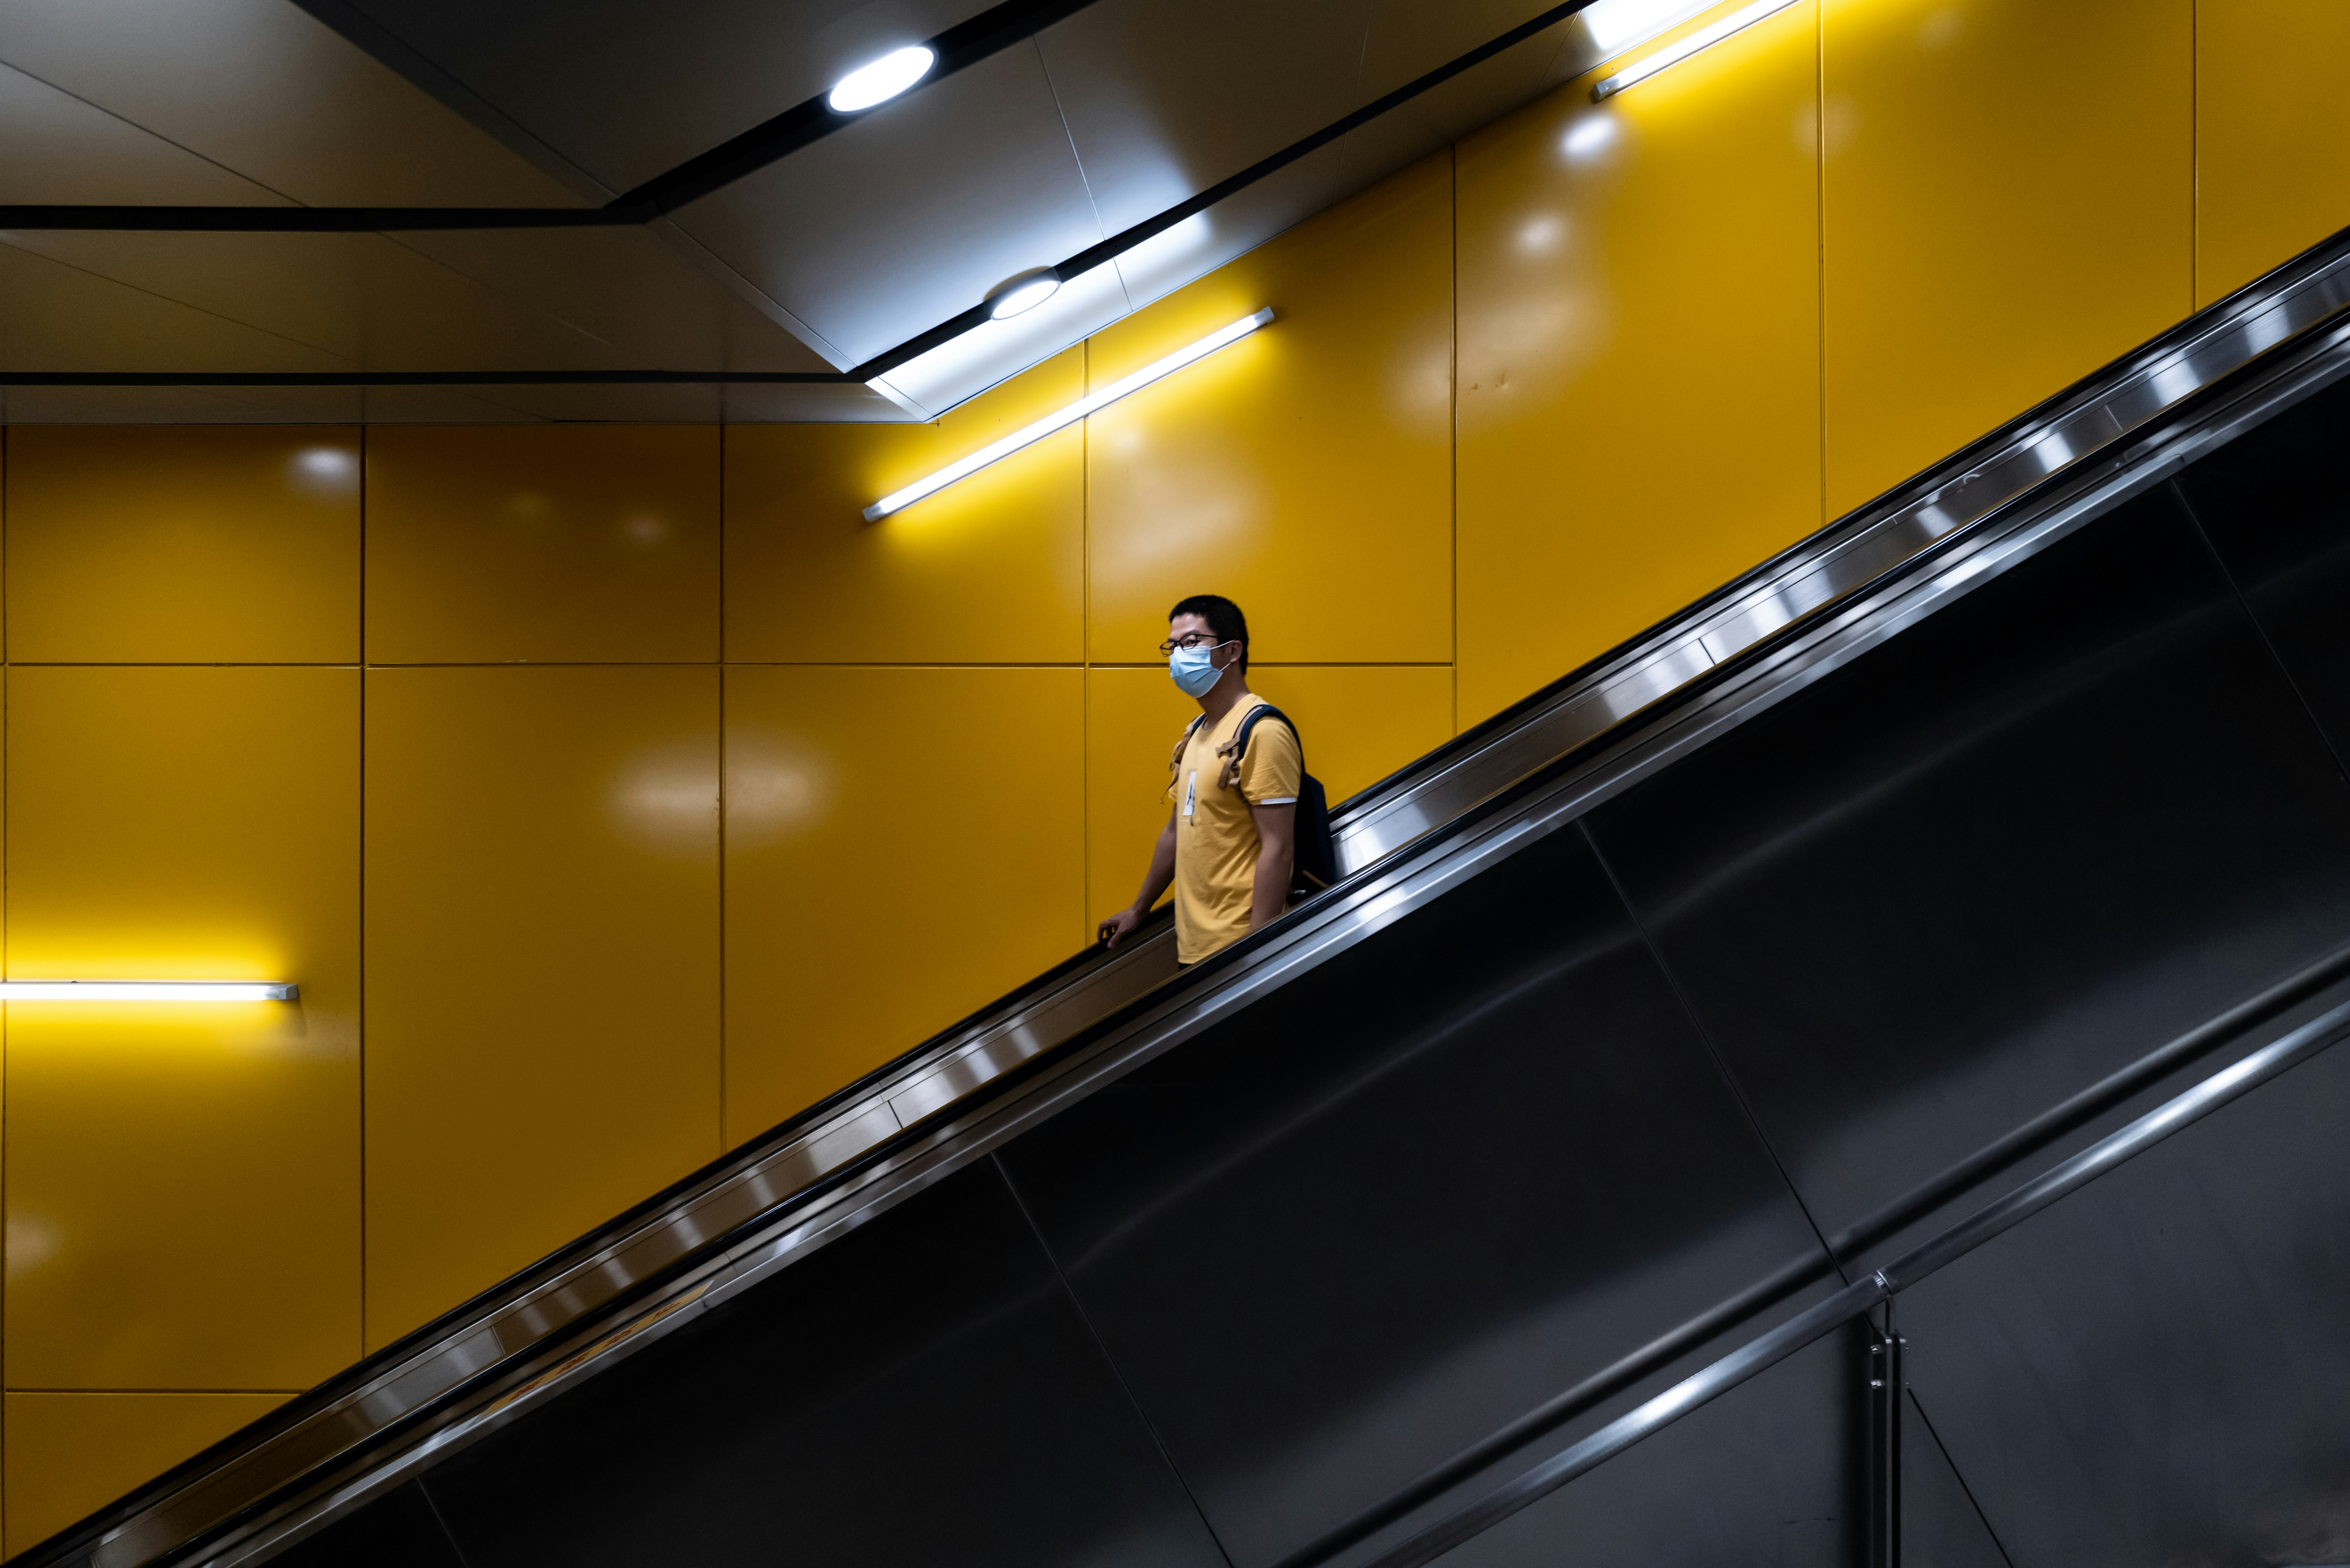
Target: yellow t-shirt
[{"x": 1215, "y": 836}]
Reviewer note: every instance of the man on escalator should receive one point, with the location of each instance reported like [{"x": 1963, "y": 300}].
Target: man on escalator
[{"x": 1229, "y": 840}]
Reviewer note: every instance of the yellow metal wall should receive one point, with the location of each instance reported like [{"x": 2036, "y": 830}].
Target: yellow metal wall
[
  {"x": 653, "y": 795},
  {"x": 1639, "y": 353},
  {"x": 2271, "y": 161},
  {"x": 2006, "y": 203}
]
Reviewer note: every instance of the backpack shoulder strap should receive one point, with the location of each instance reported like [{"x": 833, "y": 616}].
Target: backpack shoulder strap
[
  {"x": 1233, "y": 750},
  {"x": 1175, "y": 760}
]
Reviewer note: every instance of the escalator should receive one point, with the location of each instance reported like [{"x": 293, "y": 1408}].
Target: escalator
[{"x": 1600, "y": 1171}]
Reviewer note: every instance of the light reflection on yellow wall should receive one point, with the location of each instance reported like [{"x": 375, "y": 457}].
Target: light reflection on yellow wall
[
  {"x": 68, "y": 1454},
  {"x": 2271, "y": 135},
  {"x": 2009, "y": 190},
  {"x": 542, "y": 952},
  {"x": 557, "y": 543},
  {"x": 172, "y": 543},
  {"x": 989, "y": 571},
  {"x": 1359, "y": 724},
  {"x": 1639, "y": 404},
  {"x": 902, "y": 846},
  {"x": 1305, "y": 471},
  {"x": 182, "y": 1182}
]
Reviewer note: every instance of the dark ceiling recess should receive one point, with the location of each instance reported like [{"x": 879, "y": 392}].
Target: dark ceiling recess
[
  {"x": 975, "y": 41},
  {"x": 963, "y": 45},
  {"x": 959, "y": 47}
]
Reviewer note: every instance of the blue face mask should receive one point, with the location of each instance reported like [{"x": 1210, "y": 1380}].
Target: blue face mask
[{"x": 1193, "y": 669}]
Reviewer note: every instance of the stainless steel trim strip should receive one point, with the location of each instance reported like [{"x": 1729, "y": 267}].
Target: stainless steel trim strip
[
  {"x": 1825, "y": 602},
  {"x": 1816, "y": 1322}
]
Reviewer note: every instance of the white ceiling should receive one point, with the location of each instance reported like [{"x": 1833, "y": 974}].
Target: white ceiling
[{"x": 824, "y": 258}]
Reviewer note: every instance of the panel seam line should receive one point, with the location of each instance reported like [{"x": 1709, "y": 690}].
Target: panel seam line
[{"x": 1069, "y": 1295}]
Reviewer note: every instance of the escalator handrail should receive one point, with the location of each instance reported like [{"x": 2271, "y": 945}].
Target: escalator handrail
[{"x": 1401, "y": 842}]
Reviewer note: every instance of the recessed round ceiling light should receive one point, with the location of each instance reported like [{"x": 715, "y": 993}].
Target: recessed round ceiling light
[
  {"x": 1026, "y": 292},
  {"x": 881, "y": 80}
]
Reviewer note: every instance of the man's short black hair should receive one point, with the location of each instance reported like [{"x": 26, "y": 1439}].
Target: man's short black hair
[{"x": 1224, "y": 618}]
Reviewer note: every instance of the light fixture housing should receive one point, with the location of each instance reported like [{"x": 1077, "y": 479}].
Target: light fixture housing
[
  {"x": 879, "y": 81},
  {"x": 1680, "y": 49},
  {"x": 1025, "y": 292},
  {"x": 147, "y": 991},
  {"x": 1028, "y": 435}
]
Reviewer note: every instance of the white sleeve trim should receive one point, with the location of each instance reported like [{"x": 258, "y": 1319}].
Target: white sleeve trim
[{"x": 1276, "y": 800}]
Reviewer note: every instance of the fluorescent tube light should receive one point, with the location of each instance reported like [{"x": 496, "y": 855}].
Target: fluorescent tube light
[
  {"x": 1616, "y": 25},
  {"x": 1674, "y": 53},
  {"x": 995, "y": 452},
  {"x": 881, "y": 80},
  {"x": 146, "y": 990}
]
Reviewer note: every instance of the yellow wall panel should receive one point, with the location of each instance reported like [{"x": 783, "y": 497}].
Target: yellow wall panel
[
  {"x": 901, "y": 846},
  {"x": 2271, "y": 135},
  {"x": 69, "y": 1455},
  {"x": 1359, "y": 724},
  {"x": 991, "y": 571},
  {"x": 1304, "y": 471},
  {"x": 1639, "y": 392},
  {"x": 542, "y": 952},
  {"x": 554, "y": 544},
  {"x": 2009, "y": 190},
  {"x": 184, "y": 1180},
  {"x": 171, "y": 544},
  {"x": 1133, "y": 717}
]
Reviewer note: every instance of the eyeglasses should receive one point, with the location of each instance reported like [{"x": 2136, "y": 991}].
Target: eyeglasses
[{"x": 1192, "y": 639}]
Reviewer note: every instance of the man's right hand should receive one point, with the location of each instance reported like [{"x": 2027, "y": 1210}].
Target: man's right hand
[{"x": 1119, "y": 925}]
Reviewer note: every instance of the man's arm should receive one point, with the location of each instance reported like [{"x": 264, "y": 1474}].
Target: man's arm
[
  {"x": 1154, "y": 883},
  {"x": 1276, "y": 846}
]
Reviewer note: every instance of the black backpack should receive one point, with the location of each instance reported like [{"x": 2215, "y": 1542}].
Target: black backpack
[{"x": 1314, "y": 862}]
